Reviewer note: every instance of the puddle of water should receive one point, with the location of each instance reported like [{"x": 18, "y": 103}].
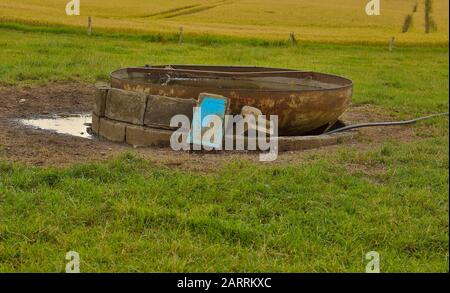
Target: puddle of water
[{"x": 73, "y": 125}]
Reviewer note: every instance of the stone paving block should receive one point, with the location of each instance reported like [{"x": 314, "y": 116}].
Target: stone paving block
[
  {"x": 161, "y": 109},
  {"x": 101, "y": 92},
  {"x": 112, "y": 130},
  {"x": 141, "y": 136},
  {"x": 126, "y": 106}
]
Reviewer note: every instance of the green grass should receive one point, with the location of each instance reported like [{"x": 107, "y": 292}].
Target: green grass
[
  {"x": 322, "y": 213},
  {"x": 409, "y": 78},
  {"x": 318, "y": 215}
]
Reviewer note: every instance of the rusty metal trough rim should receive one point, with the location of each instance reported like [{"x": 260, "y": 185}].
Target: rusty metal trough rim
[{"x": 115, "y": 75}]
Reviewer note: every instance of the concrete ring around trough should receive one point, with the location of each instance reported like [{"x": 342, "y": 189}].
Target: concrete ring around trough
[
  {"x": 295, "y": 143},
  {"x": 143, "y": 120}
]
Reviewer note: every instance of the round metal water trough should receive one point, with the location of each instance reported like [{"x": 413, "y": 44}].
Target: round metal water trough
[{"x": 303, "y": 100}]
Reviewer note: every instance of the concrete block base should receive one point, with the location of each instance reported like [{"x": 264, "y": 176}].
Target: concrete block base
[
  {"x": 112, "y": 130},
  {"x": 126, "y": 106},
  {"x": 95, "y": 123},
  {"x": 160, "y": 110},
  {"x": 100, "y": 98},
  {"x": 139, "y": 136}
]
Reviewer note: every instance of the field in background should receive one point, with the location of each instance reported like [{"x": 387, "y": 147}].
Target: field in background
[{"x": 343, "y": 21}]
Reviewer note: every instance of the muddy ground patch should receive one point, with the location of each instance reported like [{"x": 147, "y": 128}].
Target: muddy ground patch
[{"x": 40, "y": 147}]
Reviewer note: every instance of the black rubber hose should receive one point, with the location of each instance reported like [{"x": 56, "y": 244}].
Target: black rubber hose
[{"x": 345, "y": 128}]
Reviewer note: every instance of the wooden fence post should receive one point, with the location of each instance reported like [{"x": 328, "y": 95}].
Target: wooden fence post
[
  {"x": 391, "y": 44},
  {"x": 180, "y": 35},
  {"x": 292, "y": 39},
  {"x": 89, "y": 30}
]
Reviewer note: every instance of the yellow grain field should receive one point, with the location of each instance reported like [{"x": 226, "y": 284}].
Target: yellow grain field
[{"x": 343, "y": 21}]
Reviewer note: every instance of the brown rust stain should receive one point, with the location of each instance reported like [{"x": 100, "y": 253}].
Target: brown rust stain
[{"x": 298, "y": 110}]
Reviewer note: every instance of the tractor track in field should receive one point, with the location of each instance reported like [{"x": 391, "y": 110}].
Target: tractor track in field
[{"x": 186, "y": 10}]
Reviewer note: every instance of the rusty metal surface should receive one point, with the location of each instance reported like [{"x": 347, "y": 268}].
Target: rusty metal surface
[{"x": 303, "y": 100}]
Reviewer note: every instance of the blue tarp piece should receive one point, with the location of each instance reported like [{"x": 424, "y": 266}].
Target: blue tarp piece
[{"x": 208, "y": 107}]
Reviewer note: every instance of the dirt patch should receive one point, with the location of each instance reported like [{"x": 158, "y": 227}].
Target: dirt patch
[{"x": 39, "y": 147}]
